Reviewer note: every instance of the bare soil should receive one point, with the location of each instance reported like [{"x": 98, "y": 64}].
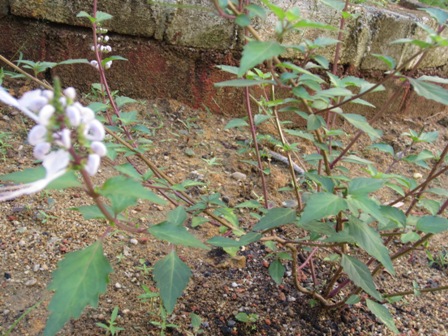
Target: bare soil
[{"x": 37, "y": 231}]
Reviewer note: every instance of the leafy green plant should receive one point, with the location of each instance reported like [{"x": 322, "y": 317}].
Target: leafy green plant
[
  {"x": 4, "y": 143},
  {"x": 111, "y": 327},
  {"x": 438, "y": 260}
]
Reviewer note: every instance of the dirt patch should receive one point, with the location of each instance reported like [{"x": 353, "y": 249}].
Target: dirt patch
[{"x": 36, "y": 231}]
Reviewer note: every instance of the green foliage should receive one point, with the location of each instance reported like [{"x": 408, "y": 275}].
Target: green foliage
[
  {"x": 78, "y": 281},
  {"x": 171, "y": 275},
  {"x": 111, "y": 327}
]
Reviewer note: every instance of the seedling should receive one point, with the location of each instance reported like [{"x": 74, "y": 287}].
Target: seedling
[{"x": 111, "y": 328}]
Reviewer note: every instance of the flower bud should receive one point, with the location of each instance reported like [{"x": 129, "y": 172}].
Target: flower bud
[
  {"x": 94, "y": 64},
  {"x": 70, "y": 93},
  {"x": 98, "y": 148},
  {"x": 93, "y": 163},
  {"x": 45, "y": 114},
  {"x": 41, "y": 150},
  {"x": 87, "y": 115},
  {"x": 108, "y": 65},
  {"x": 73, "y": 115},
  {"x": 33, "y": 100}
]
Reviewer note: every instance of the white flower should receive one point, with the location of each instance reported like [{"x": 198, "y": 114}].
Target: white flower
[
  {"x": 6, "y": 98},
  {"x": 108, "y": 65},
  {"x": 106, "y": 38},
  {"x": 94, "y": 64},
  {"x": 87, "y": 115},
  {"x": 33, "y": 100},
  {"x": 70, "y": 93},
  {"x": 45, "y": 114},
  {"x": 48, "y": 94},
  {"x": 94, "y": 131},
  {"x": 73, "y": 115},
  {"x": 55, "y": 165},
  {"x": 62, "y": 138},
  {"x": 93, "y": 163},
  {"x": 41, "y": 150},
  {"x": 93, "y": 49},
  {"x": 37, "y": 135},
  {"x": 98, "y": 148}
]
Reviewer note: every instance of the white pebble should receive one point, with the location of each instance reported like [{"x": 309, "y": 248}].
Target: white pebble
[
  {"x": 133, "y": 241},
  {"x": 118, "y": 285},
  {"x": 31, "y": 282},
  {"x": 234, "y": 284},
  {"x": 238, "y": 176}
]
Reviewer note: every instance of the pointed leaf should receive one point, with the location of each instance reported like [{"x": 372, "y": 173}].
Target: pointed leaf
[
  {"x": 243, "y": 82},
  {"x": 277, "y": 270},
  {"x": 361, "y": 123},
  {"x": 172, "y": 276},
  {"x": 430, "y": 91},
  {"x": 363, "y": 185},
  {"x": 383, "y": 314},
  {"x": 432, "y": 224},
  {"x": 274, "y": 218},
  {"x": 359, "y": 273},
  {"x": 126, "y": 187},
  {"x": 176, "y": 234},
  {"x": 78, "y": 281},
  {"x": 321, "y": 205},
  {"x": 256, "y": 52},
  {"x": 371, "y": 242},
  {"x": 227, "y": 242}
]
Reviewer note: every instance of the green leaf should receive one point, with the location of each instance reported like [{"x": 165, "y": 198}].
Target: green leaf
[
  {"x": 315, "y": 122},
  {"x": 359, "y": 273},
  {"x": 236, "y": 123},
  {"x": 321, "y": 228},
  {"x": 363, "y": 185},
  {"x": 336, "y": 4},
  {"x": 367, "y": 205},
  {"x": 321, "y": 205},
  {"x": 430, "y": 205},
  {"x": 230, "y": 69},
  {"x": 438, "y": 14},
  {"x": 102, "y": 16},
  {"x": 173, "y": 231},
  {"x": 126, "y": 187},
  {"x": 438, "y": 191},
  {"x": 242, "y": 20},
  {"x": 394, "y": 214},
  {"x": 361, "y": 123},
  {"x": 383, "y": 314},
  {"x": 247, "y": 239},
  {"x": 129, "y": 170},
  {"x": 370, "y": 241},
  {"x": 277, "y": 270},
  {"x": 75, "y": 61},
  {"x": 98, "y": 107},
  {"x": 92, "y": 211},
  {"x": 430, "y": 91},
  {"x": 123, "y": 100},
  {"x": 274, "y": 218},
  {"x": 256, "y": 52},
  {"x": 255, "y": 10},
  {"x": 78, "y": 281},
  {"x": 382, "y": 147},
  {"x": 410, "y": 236},
  {"x": 432, "y": 224},
  {"x": 356, "y": 159},
  {"x": 243, "y": 82},
  {"x": 172, "y": 276},
  {"x": 388, "y": 60}
]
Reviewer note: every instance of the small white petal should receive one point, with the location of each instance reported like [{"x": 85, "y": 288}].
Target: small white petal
[
  {"x": 94, "y": 131},
  {"x": 73, "y": 115},
  {"x": 33, "y": 100},
  {"x": 63, "y": 138},
  {"x": 87, "y": 115},
  {"x": 94, "y": 64},
  {"x": 6, "y": 98},
  {"x": 48, "y": 94},
  {"x": 98, "y": 148},
  {"x": 70, "y": 93},
  {"x": 106, "y": 38},
  {"x": 93, "y": 163},
  {"x": 55, "y": 162},
  {"x": 41, "y": 150},
  {"x": 108, "y": 65},
  {"x": 45, "y": 114},
  {"x": 63, "y": 101},
  {"x": 37, "y": 135}
]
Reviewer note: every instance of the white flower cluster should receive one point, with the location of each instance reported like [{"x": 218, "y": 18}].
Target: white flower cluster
[
  {"x": 59, "y": 124},
  {"x": 103, "y": 48}
]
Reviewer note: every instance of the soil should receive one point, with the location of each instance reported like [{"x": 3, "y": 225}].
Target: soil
[{"x": 37, "y": 231}]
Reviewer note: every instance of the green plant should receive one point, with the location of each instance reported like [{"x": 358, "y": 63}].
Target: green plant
[
  {"x": 246, "y": 318},
  {"x": 4, "y": 143},
  {"x": 196, "y": 323},
  {"x": 438, "y": 260},
  {"x": 111, "y": 327}
]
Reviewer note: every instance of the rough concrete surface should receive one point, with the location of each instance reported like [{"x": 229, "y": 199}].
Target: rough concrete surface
[{"x": 172, "y": 51}]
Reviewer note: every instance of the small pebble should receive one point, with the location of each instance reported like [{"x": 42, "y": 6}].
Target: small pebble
[
  {"x": 118, "y": 285},
  {"x": 36, "y": 267},
  {"x": 126, "y": 311},
  {"x": 22, "y": 243},
  {"x": 291, "y": 298},
  {"x": 234, "y": 284},
  {"x": 133, "y": 241},
  {"x": 231, "y": 323},
  {"x": 238, "y": 176},
  {"x": 290, "y": 203},
  {"x": 6, "y": 312},
  {"x": 31, "y": 282}
]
